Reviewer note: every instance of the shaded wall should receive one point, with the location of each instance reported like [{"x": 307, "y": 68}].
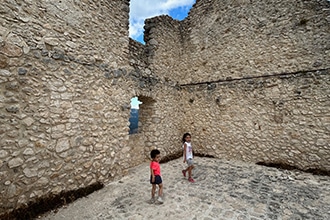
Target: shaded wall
[{"x": 64, "y": 94}]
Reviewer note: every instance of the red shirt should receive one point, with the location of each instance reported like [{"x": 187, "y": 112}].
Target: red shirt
[{"x": 155, "y": 167}]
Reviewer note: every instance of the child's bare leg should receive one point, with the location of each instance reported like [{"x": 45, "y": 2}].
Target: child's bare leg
[
  {"x": 190, "y": 171},
  {"x": 160, "y": 192},
  {"x": 153, "y": 190}
]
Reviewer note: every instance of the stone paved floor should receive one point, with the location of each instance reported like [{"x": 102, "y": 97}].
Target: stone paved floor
[{"x": 223, "y": 190}]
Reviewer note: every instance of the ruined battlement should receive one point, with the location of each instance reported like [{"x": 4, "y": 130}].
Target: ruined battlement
[{"x": 249, "y": 39}]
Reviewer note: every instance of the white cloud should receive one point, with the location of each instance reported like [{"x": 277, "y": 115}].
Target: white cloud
[
  {"x": 135, "y": 103},
  {"x": 142, "y": 9}
]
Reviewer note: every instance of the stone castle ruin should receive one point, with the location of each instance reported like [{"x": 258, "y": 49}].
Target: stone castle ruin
[{"x": 248, "y": 79}]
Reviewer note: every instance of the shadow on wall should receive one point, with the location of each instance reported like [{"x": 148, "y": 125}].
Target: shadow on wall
[
  {"x": 179, "y": 154},
  {"x": 283, "y": 166}
]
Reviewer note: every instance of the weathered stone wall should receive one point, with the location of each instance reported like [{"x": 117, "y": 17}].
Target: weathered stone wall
[
  {"x": 137, "y": 56},
  {"x": 65, "y": 89},
  {"x": 64, "y": 96},
  {"x": 240, "y": 38},
  {"x": 227, "y": 50},
  {"x": 159, "y": 125},
  {"x": 162, "y": 35},
  {"x": 159, "y": 115},
  {"x": 279, "y": 119}
]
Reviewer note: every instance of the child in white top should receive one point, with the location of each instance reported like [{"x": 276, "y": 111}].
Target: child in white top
[{"x": 188, "y": 156}]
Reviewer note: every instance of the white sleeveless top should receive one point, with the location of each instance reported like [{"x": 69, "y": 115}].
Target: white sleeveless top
[{"x": 189, "y": 152}]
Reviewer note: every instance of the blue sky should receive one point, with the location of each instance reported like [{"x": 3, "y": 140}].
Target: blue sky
[{"x": 142, "y": 9}]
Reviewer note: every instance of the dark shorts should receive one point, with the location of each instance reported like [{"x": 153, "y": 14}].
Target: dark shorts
[{"x": 158, "y": 180}]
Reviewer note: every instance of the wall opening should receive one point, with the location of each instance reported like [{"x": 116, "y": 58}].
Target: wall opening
[
  {"x": 141, "y": 112},
  {"x": 142, "y": 127},
  {"x": 134, "y": 116}
]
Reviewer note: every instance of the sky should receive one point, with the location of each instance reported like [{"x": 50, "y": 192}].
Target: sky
[
  {"x": 142, "y": 9},
  {"x": 135, "y": 103}
]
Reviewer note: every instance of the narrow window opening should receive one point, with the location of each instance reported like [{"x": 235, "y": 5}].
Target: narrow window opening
[{"x": 134, "y": 116}]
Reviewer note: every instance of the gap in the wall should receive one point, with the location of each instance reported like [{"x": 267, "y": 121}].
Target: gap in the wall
[{"x": 134, "y": 116}]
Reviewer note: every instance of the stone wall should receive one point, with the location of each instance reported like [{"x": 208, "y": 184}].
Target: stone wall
[
  {"x": 241, "y": 38},
  {"x": 226, "y": 50},
  {"x": 64, "y": 96},
  {"x": 249, "y": 77},
  {"x": 159, "y": 117},
  {"x": 162, "y": 34},
  {"x": 278, "y": 119},
  {"x": 66, "y": 81},
  {"x": 138, "y": 56}
]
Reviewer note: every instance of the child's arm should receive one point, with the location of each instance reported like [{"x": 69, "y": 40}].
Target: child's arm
[
  {"x": 152, "y": 175},
  {"x": 184, "y": 152}
]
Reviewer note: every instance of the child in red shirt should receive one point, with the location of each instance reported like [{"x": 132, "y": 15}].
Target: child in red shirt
[{"x": 155, "y": 176}]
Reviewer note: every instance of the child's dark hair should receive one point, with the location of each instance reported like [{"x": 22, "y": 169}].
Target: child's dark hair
[
  {"x": 184, "y": 137},
  {"x": 154, "y": 153}
]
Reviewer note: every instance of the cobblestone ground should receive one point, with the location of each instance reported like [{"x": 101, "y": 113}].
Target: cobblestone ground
[{"x": 223, "y": 190}]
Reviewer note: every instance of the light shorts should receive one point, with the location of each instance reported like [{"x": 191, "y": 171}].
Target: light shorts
[{"x": 190, "y": 162}]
